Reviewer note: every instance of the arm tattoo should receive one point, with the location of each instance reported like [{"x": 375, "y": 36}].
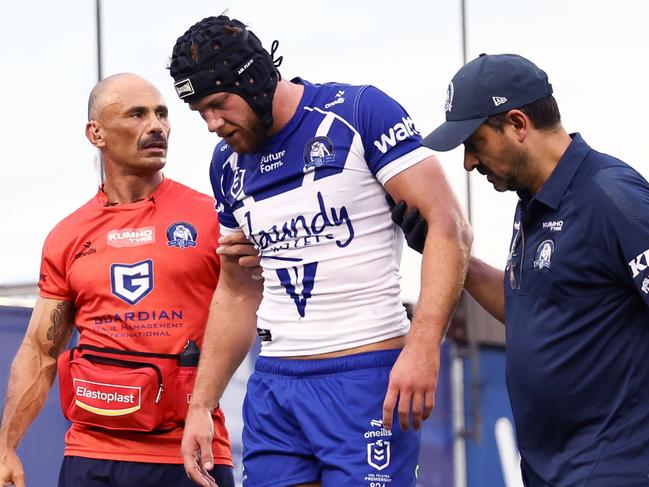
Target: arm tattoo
[{"x": 61, "y": 319}]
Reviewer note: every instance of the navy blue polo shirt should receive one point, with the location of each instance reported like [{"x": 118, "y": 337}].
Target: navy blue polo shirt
[{"x": 577, "y": 321}]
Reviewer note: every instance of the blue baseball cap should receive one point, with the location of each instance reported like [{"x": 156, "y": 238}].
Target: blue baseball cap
[{"x": 488, "y": 85}]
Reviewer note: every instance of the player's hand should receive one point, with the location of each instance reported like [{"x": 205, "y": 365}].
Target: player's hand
[
  {"x": 238, "y": 246},
  {"x": 11, "y": 469},
  {"x": 413, "y": 381},
  {"x": 196, "y": 446},
  {"x": 411, "y": 222}
]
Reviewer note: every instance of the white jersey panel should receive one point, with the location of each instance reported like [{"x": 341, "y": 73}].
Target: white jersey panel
[{"x": 312, "y": 203}]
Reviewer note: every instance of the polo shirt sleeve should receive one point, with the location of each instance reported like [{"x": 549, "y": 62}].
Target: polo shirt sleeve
[{"x": 621, "y": 221}]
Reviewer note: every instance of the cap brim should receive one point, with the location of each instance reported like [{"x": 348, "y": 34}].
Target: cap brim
[{"x": 451, "y": 134}]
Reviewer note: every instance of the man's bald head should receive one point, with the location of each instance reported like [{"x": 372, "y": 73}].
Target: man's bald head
[{"x": 108, "y": 89}]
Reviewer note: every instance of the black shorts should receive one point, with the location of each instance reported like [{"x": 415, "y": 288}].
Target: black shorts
[{"x": 88, "y": 472}]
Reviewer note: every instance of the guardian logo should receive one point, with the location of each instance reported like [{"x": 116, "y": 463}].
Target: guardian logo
[
  {"x": 401, "y": 131},
  {"x": 132, "y": 282}
]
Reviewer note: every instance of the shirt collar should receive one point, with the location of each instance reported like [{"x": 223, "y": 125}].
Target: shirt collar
[{"x": 557, "y": 184}]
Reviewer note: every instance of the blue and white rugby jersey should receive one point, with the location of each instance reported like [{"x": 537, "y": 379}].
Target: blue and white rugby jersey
[{"x": 312, "y": 201}]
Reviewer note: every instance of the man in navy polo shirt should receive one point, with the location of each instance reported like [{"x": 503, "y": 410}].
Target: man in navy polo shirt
[{"x": 576, "y": 284}]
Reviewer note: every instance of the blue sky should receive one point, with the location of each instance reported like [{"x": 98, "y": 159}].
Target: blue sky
[{"x": 594, "y": 51}]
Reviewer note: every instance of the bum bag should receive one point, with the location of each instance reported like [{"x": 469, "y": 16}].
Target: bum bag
[{"x": 124, "y": 390}]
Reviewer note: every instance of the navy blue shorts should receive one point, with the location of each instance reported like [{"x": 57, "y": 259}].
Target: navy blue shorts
[
  {"x": 320, "y": 420},
  {"x": 88, "y": 472}
]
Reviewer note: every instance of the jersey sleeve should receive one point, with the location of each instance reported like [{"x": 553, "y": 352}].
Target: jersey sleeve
[
  {"x": 53, "y": 283},
  {"x": 219, "y": 176},
  {"x": 391, "y": 141},
  {"x": 622, "y": 215}
]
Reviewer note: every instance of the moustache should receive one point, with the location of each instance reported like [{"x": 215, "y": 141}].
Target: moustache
[{"x": 155, "y": 140}]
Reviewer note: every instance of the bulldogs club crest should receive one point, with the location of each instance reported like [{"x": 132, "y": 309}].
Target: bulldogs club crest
[
  {"x": 543, "y": 258},
  {"x": 319, "y": 151},
  {"x": 181, "y": 235}
]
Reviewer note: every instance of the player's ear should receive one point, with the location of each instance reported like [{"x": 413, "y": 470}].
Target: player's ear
[
  {"x": 520, "y": 123},
  {"x": 95, "y": 134}
]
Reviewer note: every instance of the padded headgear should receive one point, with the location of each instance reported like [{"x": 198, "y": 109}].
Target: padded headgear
[{"x": 220, "y": 54}]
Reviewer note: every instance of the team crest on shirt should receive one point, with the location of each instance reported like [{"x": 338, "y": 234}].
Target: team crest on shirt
[
  {"x": 318, "y": 152},
  {"x": 181, "y": 235},
  {"x": 543, "y": 258}
]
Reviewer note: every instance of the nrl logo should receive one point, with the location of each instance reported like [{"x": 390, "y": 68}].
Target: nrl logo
[{"x": 378, "y": 454}]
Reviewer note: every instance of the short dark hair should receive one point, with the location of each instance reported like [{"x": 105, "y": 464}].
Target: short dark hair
[{"x": 544, "y": 114}]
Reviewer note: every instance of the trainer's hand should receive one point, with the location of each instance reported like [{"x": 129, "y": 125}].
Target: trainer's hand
[
  {"x": 411, "y": 222},
  {"x": 11, "y": 469},
  {"x": 413, "y": 381},
  {"x": 196, "y": 446},
  {"x": 237, "y": 245}
]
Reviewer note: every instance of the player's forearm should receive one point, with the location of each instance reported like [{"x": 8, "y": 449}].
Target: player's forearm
[
  {"x": 444, "y": 264},
  {"x": 229, "y": 335},
  {"x": 485, "y": 284},
  {"x": 31, "y": 377}
]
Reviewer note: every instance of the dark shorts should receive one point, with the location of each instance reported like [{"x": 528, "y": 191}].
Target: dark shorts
[
  {"x": 320, "y": 420},
  {"x": 88, "y": 472}
]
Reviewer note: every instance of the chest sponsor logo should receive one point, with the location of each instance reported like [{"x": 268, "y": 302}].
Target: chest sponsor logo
[
  {"x": 318, "y": 151},
  {"x": 130, "y": 237},
  {"x": 181, "y": 235},
  {"x": 400, "y": 131},
  {"x": 543, "y": 258},
  {"x": 132, "y": 282},
  {"x": 554, "y": 226},
  {"x": 107, "y": 399},
  {"x": 304, "y": 230},
  {"x": 337, "y": 100},
  {"x": 639, "y": 263},
  {"x": 270, "y": 162}
]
